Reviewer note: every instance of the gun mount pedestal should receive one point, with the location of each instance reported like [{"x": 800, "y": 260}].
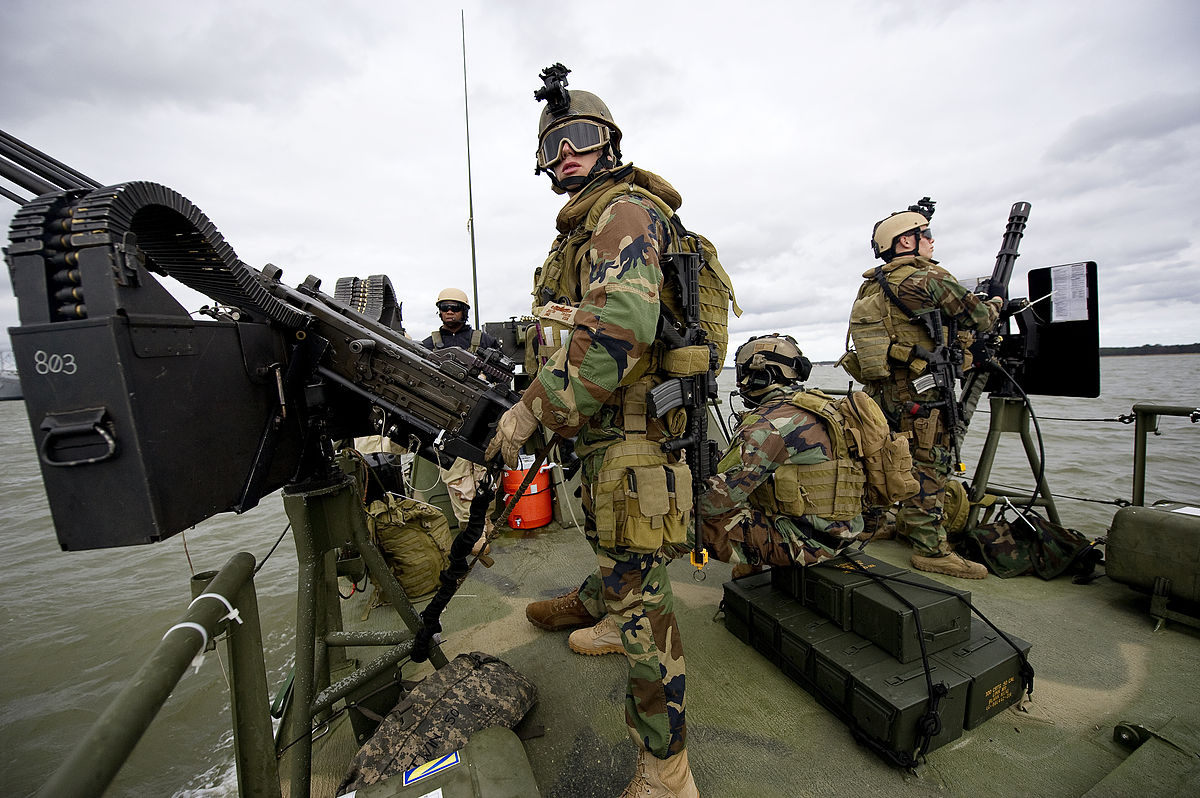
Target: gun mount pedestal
[
  {"x": 1008, "y": 414},
  {"x": 324, "y": 518}
]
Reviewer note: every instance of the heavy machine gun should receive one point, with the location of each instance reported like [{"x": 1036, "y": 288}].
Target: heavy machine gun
[{"x": 147, "y": 420}]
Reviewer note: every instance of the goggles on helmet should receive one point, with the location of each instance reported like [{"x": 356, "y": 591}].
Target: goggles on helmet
[{"x": 583, "y": 136}]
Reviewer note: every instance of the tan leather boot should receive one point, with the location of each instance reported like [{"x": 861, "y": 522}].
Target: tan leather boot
[
  {"x": 561, "y": 612},
  {"x": 951, "y": 565},
  {"x": 662, "y": 778},
  {"x": 603, "y": 638}
]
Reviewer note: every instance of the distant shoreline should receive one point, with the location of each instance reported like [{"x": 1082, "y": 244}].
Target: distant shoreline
[{"x": 1150, "y": 349}]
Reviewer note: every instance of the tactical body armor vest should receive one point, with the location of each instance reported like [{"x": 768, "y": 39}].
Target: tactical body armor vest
[
  {"x": 476, "y": 340},
  {"x": 832, "y": 490},
  {"x": 882, "y": 333}
]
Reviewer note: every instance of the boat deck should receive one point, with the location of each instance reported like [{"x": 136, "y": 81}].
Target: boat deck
[{"x": 752, "y": 731}]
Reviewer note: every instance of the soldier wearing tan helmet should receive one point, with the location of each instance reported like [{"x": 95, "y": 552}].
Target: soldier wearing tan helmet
[
  {"x": 454, "y": 311},
  {"x": 463, "y": 477},
  {"x": 889, "y": 334},
  {"x": 598, "y": 298}
]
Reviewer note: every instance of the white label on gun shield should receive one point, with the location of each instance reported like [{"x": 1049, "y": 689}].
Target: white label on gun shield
[{"x": 1069, "y": 284}]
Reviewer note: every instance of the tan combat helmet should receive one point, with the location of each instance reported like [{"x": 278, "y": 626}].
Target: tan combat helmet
[
  {"x": 576, "y": 116},
  {"x": 453, "y": 295},
  {"x": 886, "y": 231},
  {"x": 767, "y": 362}
]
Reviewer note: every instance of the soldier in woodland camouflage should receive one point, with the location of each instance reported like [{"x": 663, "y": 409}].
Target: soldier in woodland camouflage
[
  {"x": 598, "y": 298},
  {"x": 911, "y": 284},
  {"x": 745, "y": 522}
]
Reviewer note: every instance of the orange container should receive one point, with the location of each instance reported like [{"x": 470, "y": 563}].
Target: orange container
[{"x": 534, "y": 508}]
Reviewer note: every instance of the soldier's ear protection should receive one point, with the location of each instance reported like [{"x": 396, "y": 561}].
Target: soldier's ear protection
[{"x": 770, "y": 366}]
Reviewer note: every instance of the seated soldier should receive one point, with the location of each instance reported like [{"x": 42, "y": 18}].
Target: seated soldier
[{"x": 777, "y": 498}]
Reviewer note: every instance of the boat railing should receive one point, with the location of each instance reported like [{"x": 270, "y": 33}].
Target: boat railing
[
  {"x": 225, "y": 601},
  {"x": 1146, "y": 421}
]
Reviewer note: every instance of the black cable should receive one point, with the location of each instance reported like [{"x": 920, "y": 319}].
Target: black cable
[{"x": 263, "y": 562}]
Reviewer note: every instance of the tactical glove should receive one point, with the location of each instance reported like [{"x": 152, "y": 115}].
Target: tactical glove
[{"x": 515, "y": 427}]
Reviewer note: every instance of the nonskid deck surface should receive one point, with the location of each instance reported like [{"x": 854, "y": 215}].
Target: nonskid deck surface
[{"x": 754, "y": 732}]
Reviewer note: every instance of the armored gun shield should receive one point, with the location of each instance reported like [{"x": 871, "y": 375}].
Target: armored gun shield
[{"x": 147, "y": 421}]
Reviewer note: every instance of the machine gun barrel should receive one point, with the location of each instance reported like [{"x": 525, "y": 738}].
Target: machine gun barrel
[
  {"x": 987, "y": 343},
  {"x": 35, "y": 171}
]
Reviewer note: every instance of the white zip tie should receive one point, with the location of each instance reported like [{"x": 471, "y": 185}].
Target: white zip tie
[
  {"x": 233, "y": 613},
  {"x": 203, "y": 634}
]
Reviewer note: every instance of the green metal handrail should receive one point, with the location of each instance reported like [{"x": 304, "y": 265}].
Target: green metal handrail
[{"x": 1146, "y": 420}]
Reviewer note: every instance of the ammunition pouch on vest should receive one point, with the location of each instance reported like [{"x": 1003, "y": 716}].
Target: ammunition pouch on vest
[{"x": 641, "y": 499}]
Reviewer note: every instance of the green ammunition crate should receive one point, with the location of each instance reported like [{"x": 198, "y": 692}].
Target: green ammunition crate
[
  {"x": 993, "y": 667},
  {"x": 888, "y": 699},
  {"x": 767, "y": 609},
  {"x": 493, "y": 764},
  {"x": 798, "y": 634},
  {"x": 789, "y": 579},
  {"x": 738, "y": 596},
  {"x": 829, "y": 586},
  {"x": 835, "y": 661},
  {"x": 880, "y": 614}
]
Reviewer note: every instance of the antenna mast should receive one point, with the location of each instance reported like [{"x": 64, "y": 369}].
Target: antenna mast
[{"x": 470, "y": 195}]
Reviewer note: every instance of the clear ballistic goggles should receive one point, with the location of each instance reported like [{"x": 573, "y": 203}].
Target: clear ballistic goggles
[{"x": 581, "y": 135}]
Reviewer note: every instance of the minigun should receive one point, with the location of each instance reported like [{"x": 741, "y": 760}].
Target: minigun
[{"x": 147, "y": 420}]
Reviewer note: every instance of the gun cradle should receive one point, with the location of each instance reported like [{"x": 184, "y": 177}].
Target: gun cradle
[{"x": 148, "y": 421}]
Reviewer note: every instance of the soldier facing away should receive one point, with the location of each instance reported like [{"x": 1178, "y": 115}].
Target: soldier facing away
[
  {"x": 908, "y": 285},
  {"x": 598, "y": 298},
  {"x": 783, "y": 494}
]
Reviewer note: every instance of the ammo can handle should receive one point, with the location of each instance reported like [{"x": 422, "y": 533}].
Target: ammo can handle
[{"x": 76, "y": 424}]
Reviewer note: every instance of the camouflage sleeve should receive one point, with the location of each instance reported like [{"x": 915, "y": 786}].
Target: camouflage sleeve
[
  {"x": 762, "y": 444},
  {"x": 615, "y": 324},
  {"x": 967, "y": 309}
]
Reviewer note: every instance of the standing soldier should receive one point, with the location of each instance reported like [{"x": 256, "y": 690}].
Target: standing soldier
[
  {"x": 463, "y": 476},
  {"x": 598, "y": 298},
  {"x": 898, "y": 307}
]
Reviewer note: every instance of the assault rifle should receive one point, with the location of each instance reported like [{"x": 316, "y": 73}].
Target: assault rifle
[
  {"x": 147, "y": 420},
  {"x": 693, "y": 392},
  {"x": 986, "y": 351}
]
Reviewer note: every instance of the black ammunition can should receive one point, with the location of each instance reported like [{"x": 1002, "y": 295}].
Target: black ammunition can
[
  {"x": 798, "y": 634},
  {"x": 887, "y": 614},
  {"x": 888, "y": 700},
  {"x": 835, "y": 661},
  {"x": 993, "y": 667},
  {"x": 738, "y": 596},
  {"x": 829, "y": 586}
]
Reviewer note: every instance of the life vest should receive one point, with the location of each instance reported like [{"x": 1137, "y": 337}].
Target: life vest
[{"x": 882, "y": 334}]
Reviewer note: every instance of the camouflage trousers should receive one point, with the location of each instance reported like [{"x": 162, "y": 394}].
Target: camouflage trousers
[
  {"x": 751, "y": 536},
  {"x": 635, "y": 590},
  {"x": 920, "y": 517}
]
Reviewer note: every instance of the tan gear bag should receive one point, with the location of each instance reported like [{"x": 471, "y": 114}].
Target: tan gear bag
[
  {"x": 887, "y": 461},
  {"x": 414, "y": 539}
]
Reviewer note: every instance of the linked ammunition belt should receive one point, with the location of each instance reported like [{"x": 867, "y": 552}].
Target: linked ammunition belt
[{"x": 175, "y": 237}]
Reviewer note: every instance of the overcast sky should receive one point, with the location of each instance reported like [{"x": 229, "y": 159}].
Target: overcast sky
[{"x": 328, "y": 138}]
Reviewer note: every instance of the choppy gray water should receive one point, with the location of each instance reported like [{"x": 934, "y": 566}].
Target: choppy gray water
[{"x": 75, "y": 626}]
